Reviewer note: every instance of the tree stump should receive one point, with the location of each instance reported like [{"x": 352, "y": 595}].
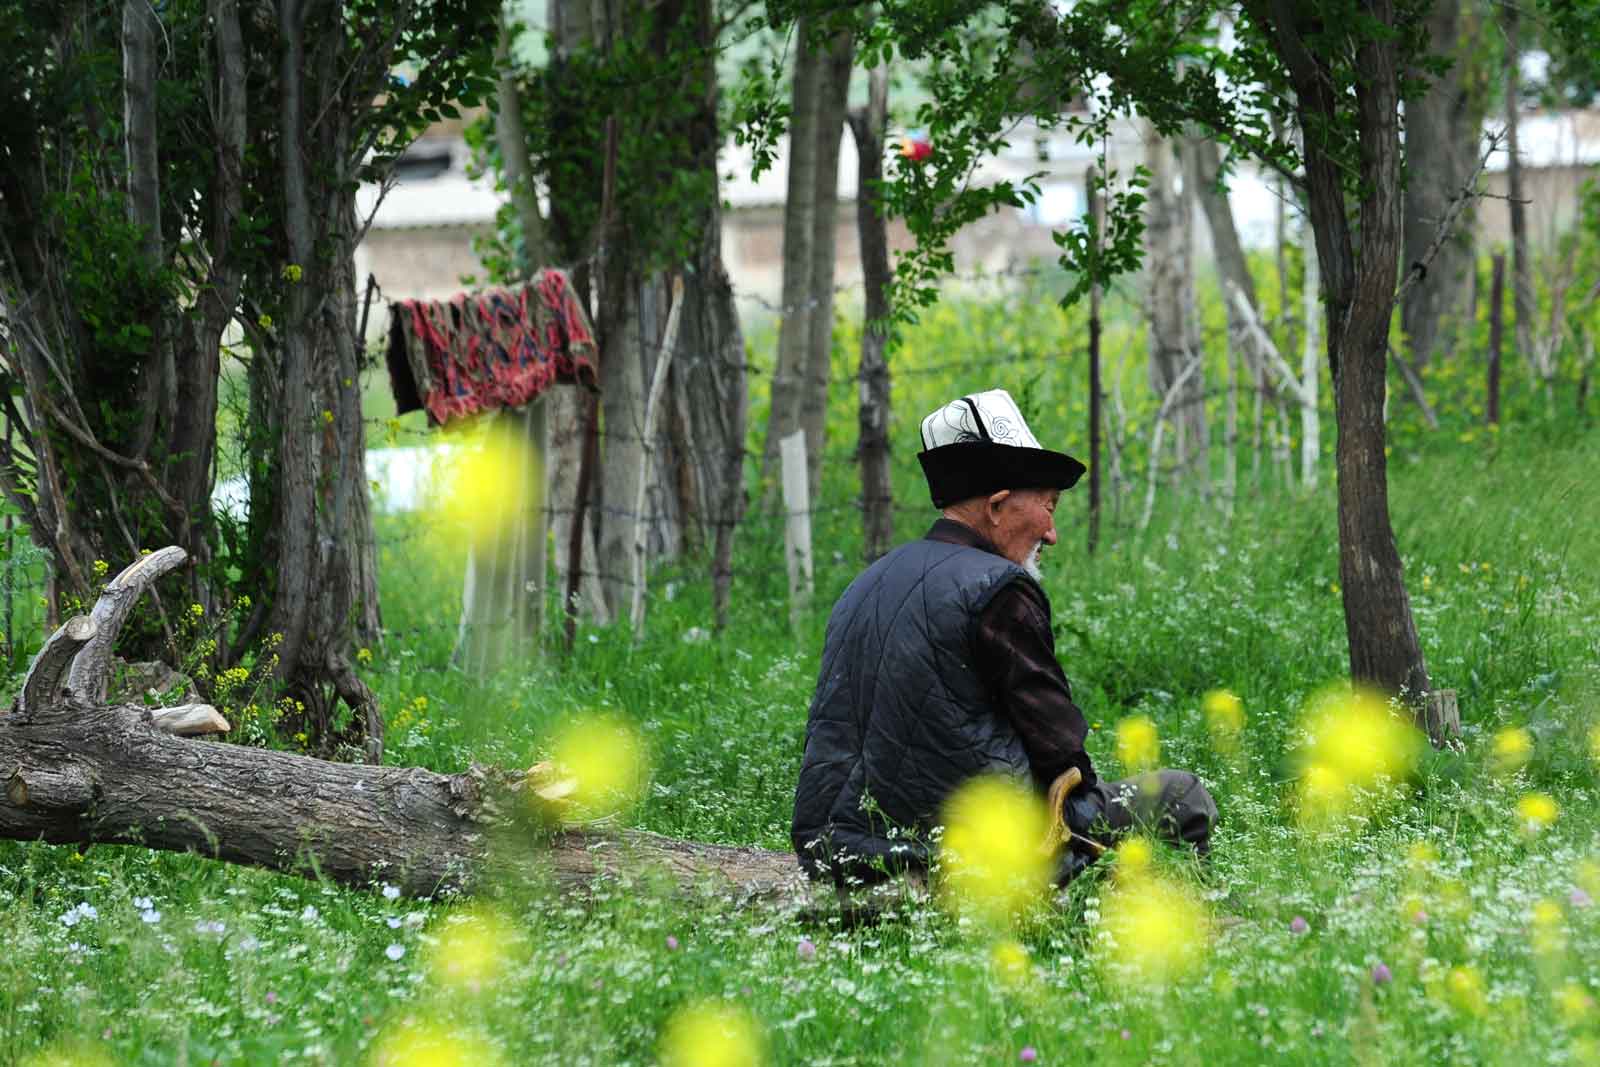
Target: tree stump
[{"x": 1441, "y": 718}]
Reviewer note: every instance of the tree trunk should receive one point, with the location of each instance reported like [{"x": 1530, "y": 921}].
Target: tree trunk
[
  {"x": 1442, "y": 127},
  {"x": 877, "y": 491},
  {"x": 799, "y": 233},
  {"x": 710, "y": 401},
  {"x": 1091, "y": 186},
  {"x": 1310, "y": 423},
  {"x": 805, "y": 340},
  {"x": 1203, "y": 174},
  {"x": 326, "y": 591},
  {"x": 1497, "y": 301},
  {"x": 82, "y": 772},
  {"x": 1521, "y": 268},
  {"x": 1169, "y": 307},
  {"x": 1384, "y": 648},
  {"x": 832, "y": 91}
]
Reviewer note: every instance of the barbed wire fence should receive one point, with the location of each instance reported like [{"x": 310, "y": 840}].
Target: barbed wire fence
[{"x": 676, "y": 534}]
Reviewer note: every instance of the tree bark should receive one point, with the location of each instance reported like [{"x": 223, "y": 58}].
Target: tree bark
[
  {"x": 326, "y": 591},
  {"x": 1169, "y": 308},
  {"x": 832, "y": 91},
  {"x": 1521, "y": 267},
  {"x": 810, "y": 213},
  {"x": 799, "y": 232},
  {"x": 1442, "y": 127},
  {"x": 868, "y": 126},
  {"x": 140, "y": 116},
  {"x": 1091, "y": 185},
  {"x": 1384, "y": 647},
  {"x": 1497, "y": 302},
  {"x": 81, "y": 772},
  {"x": 709, "y": 398},
  {"x": 1203, "y": 174}
]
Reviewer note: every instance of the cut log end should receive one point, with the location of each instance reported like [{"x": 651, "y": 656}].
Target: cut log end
[{"x": 190, "y": 720}]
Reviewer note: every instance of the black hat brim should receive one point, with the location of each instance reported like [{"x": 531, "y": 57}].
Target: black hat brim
[{"x": 969, "y": 469}]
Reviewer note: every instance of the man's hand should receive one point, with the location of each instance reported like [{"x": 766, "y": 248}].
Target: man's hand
[{"x": 1072, "y": 812}]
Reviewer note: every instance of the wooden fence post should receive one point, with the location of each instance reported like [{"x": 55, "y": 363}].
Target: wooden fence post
[{"x": 797, "y": 528}]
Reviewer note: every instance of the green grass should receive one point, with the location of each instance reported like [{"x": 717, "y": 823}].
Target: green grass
[{"x": 1497, "y": 532}]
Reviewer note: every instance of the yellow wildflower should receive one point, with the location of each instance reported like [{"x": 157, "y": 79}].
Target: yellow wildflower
[{"x": 1536, "y": 811}]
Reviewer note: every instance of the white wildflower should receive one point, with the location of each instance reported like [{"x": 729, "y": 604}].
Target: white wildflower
[{"x": 394, "y": 952}]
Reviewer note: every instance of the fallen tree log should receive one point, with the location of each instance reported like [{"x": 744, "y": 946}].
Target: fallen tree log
[{"x": 79, "y": 771}]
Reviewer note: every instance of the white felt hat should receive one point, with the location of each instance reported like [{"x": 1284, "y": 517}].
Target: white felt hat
[{"x": 981, "y": 444}]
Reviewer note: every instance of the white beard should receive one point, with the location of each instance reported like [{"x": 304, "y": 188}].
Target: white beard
[{"x": 1031, "y": 564}]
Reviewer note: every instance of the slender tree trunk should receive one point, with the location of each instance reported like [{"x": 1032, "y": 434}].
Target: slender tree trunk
[
  {"x": 805, "y": 340},
  {"x": 1169, "y": 305},
  {"x": 1203, "y": 174},
  {"x": 799, "y": 234},
  {"x": 1384, "y": 646},
  {"x": 877, "y": 492},
  {"x": 140, "y": 28},
  {"x": 709, "y": 382},
  {"x": 1091, "y": 183},
  {"x": 1310, "y": 425},
  {"x": 832, "y": 92},
  {"x": 1442, "y": 127},
  {"x": 1497, "y": 300},
  {"x": 1521, "y": 267}
]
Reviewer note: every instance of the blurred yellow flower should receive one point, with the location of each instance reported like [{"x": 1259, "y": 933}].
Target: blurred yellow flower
[
  {"x": 1159, "y": 931},
  {"x": 1574, "y": 1003},
  {"x": 1588, "y": 878},
  {"x": 1134, "y": 856},
  {"x": 1535, "y": 811},
  {"x": 72, "y": 1054},
  {"x": 471, "y": 949},
  {"x": 711, "y": 1034},
  {"x": 1549, "y": 934},
  {"x": 486, "y": 481},
  {"x": 1353, "y": 742},
  {"x": 1138, "y": 746},
  {"x": 1510, "y": 749},
  {"x": 1421, "y": 856},
  {"x": 1594, "y": 742},
  {"x": 606, "y": 759},
  {"x": 1465, "y": 987},
  {"x": 991, "y": 860},
  {"x": 428, "y": 1044},
  {"x": 1224, "y": 718},
  {"x": 1009, "y": 962}
]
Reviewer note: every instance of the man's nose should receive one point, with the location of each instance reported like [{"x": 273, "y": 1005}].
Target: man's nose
[{"x": 1050, "y": 534}]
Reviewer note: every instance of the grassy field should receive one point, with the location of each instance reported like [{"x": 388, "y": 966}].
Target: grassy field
[{"x": 1441, "y": 927}]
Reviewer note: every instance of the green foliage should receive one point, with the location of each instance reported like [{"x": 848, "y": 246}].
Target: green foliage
[{"x": 649, "y": 84}]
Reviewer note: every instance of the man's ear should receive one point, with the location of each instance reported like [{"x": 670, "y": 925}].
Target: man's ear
[{"x": 992, "y": 505}]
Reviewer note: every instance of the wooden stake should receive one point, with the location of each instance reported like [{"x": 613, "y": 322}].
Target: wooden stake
[{"x": 797, "y": 530}]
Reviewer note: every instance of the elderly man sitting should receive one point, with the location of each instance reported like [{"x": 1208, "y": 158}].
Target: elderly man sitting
[{"x": 939, "y": 665}]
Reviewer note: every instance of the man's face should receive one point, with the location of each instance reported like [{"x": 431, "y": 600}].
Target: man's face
[{"x": 1024, "y": 522}]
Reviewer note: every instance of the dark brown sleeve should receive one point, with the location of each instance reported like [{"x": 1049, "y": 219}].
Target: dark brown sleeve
[{"x": 1016, "y": 656}]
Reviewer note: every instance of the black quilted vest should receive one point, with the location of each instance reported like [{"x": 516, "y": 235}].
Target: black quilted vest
[{"x": 900, "y": 717}]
